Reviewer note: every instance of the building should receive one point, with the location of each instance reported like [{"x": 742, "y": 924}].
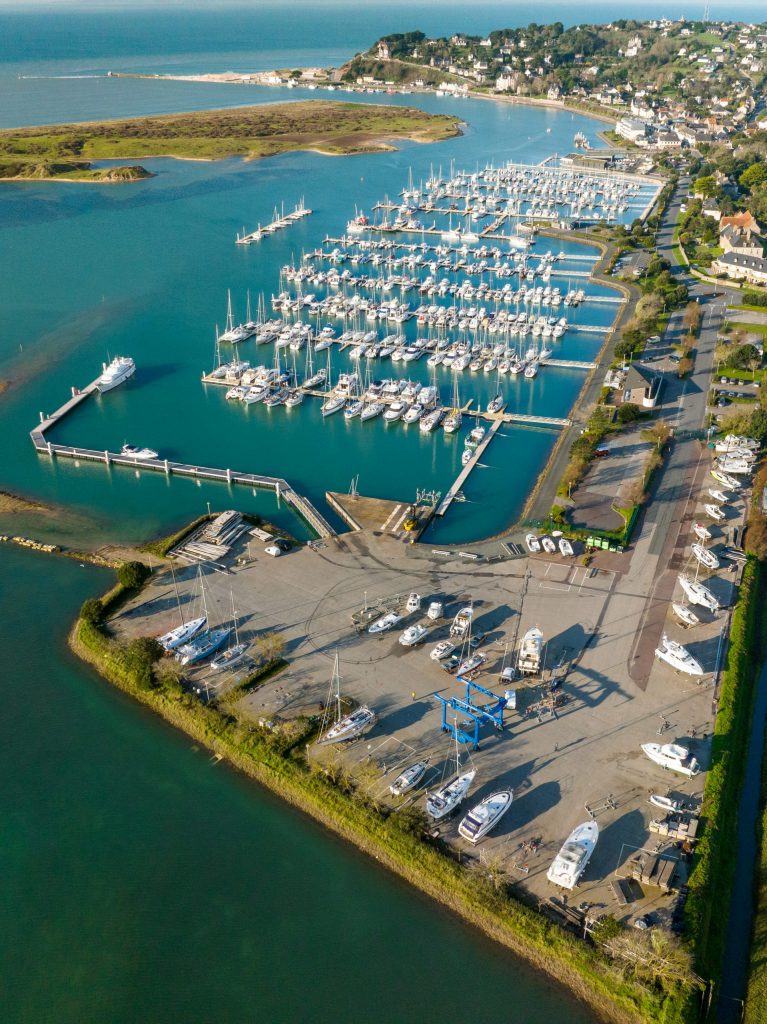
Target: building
[
  {"x": 744, "y": 221},
  {"x": 710, "y": 208},
  {"x": 741, "y": 268},
  {"x": 641, "y": 386},
  {"x": 632, "y": 129},
  {"x": 741, "y": 242}
]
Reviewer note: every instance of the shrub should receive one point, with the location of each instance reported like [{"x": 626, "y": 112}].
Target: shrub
[
  {"x": 629, "y": 413},
  {"x": 132, "y": 574},
  {"x": 92, "y": 611}
]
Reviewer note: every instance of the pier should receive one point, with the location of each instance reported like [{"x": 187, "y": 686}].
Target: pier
[
  {"x": 281, "y": 487},
  {"x": 277, "y": 224},
  {"x": 463, "y": 476}
]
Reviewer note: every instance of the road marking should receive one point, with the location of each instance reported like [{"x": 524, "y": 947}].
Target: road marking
[
  {"x": 393, "y": 514},
  {"x": 400, "y": 521}
]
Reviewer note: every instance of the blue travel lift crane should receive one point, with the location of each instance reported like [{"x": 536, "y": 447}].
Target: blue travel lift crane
[{"x": 467, "y": 731}]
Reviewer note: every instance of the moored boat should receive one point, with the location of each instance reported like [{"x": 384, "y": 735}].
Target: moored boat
[{"x": 409, "y": 778}]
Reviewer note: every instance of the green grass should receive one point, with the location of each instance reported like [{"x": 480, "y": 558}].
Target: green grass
[
  {"x": 710, "y": 883},
  {"x": 735, "y": 374},
  {"x": 333, "y": 127},
  {"x": 750, "y": 328},
  {"x": 756, "y": 998},
  {"x": 751, "y": 309}
]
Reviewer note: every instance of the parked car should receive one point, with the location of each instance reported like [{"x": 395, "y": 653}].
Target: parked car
[
  {"x": 272, "y": 550},
  {"x": 477, "y": 640}
]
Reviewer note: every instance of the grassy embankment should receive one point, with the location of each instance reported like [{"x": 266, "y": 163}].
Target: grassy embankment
[
  {"x": 756, "y": 997},
  {"x": 66, "y": 152},
  {"x": 397, "y": 841},
  {"x": 711, "y": 879}
]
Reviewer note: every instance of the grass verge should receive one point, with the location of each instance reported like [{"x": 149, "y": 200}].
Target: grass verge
[{"x": 711, "y": 879}]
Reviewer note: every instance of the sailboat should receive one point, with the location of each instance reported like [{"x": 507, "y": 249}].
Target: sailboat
[
  {"x": 696, "y": 593},
  {"x": 454, "y": 418},
  {"x": 232, "y": 654},
  {"x": 205, "y": 643},
  {"x": 351, "y": 726},
  {"x": 188, "y": 629},
  {"x": 409, "y": 778},
  {"x": 443, "y": 801},
  {"x": 233, "y": 334},
  {"x": 485, "y": 816},
  {"x": 570, "y": 863}
]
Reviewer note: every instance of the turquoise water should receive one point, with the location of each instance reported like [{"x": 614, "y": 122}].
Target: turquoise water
[
  {"x": 144, "y": 269},
  {"x": 142, "y": 883}
]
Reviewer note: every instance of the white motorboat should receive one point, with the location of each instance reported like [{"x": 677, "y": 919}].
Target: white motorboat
[
  {"x": 566, "y": 547},
  {"x": 696, "y": 593},
  {"x": 531, "y": 650},
  {"x": 715, "y": 512},
  {"x": 413, "y": 635},
  {"x": 444, "y": 800},
  {"x": 678, "y": 657},
  {"x": 718, "y": 495},
  {"x": 685, "y": 614},
  {"x": 294, "y": 398},
  {"x": 466, "y": 456},
  {"x": 413, "y": 602},
  {"x": 531, "y": 370},
  {"x": 729, "y": 481},
  {"x": 316, "y": 379},
  {"x": 665, "y": 803},
  {"x": 434, "y": 611},
  {"x": 231, "y": 656},
  {"x": 705, "y": 557},
  {"x": 571, "y": 861},
  {"x": 333, "y": 404},
  {"x": 371, "y": 410},
  {"x": 395, "y": 411},
  {"x": 672, "y": 756},
  {"x": 130, "y": 451},
  {"x": 475, "y": 437},
  {"x": 118, "y": 371},
  {"x": 205, "y": 645},
  {"x": 452, "y": 422},
  {"x": 443, "y": 650},
  {"x": 410, "y": 778},
  {"x": 533, "y": 544},
  {"x": 495, "y": 404},
  {"x": 549, "y": 545},
  {"x": 182, "y": 634},
  {"x": 462, "y": 623},
  {"x": 701, "y": 531},
  {"x": 485, "y": 816},
  {"x": 431, "y": 420},
  {"x": 384, "y": 624},
  {"x": 349, "y": 728}
]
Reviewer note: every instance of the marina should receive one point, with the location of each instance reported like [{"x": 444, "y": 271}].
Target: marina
[{"x": 279, "y": 222}]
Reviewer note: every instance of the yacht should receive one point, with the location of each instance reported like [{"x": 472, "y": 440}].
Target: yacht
[
  {"x": 718, "y": 495},
  {"x": 678, "y": 657},
  {"x": 443, "y": 650},
  {"x": 395, "y": 410},
  {"x": 462, "y": 623},
  {"x": 182, "y": 634},
  {"x": 705, "y": 557},
  {"x": 466, "y": 456},
  {"x": 316, "y": 379},
  {"x": 701, "y": 532},
  {"x": 413, "y": 414},
  {"x": 531, "y": 370},
  {"x": 130, "y": 451},
  {"x": 471, "y": 664},
  {"x": 685, "y": 614},
  {"x": 412, "y": 636},
  {"x": 231, "y": 656},
  {"x": 203, "y": 646},
  {"x": 495, "y": 404},
  {"x": 294, "y": 398},
  {"x": 715, "y": 512},
  {"x": 371, "y": 410},
  {"x": 672, "y": 756},
  {"x": 531, "y": 649},
  {"x": 444, "y": 800},
  {"x": 696, "y": 593},
  {"x": 570, "y": 863},
  {"x": 431, "y": 420},
  {"x": 118, "y": 371},
  {"x": 452, "y": 422},
  {"x": 409, "y": 779},
  {"x": 385, "y": 623},
  {"x": 352, "y": 726},
  {"x": 533, "y": 544},
  {"x": 485, "y": 816},
  {"x": 333, "y": 404},
  {"x": 354, "y": 408}
]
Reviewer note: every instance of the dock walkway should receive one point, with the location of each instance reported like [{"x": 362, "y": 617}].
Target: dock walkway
[
  {"x": 463, "y": 476},
  {"x": 280, "y": 486}
]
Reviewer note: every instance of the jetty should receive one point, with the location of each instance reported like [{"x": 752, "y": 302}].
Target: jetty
[
  {"x": 280, "y": 486},
  {"x": 465, "y": 473},
  {"x": 279, "y": 222}
]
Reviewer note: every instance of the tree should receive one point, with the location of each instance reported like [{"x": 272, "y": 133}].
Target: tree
[
  {"x": 649, "y": 307},
  {"x": 269, "y": 647},
  {"x": 753, "y": 176},
  {"x": 756, "y": 535},
  {"x": 745, "y": 357},
  {"x": 132, "y": 574},
  {"x": 92, "y": 611},
  {"x": 138, "y": 657},
  {"x": 684, "y": 366},
  {"x": 706, "y": 186},
  {"x": 691, "y": 318},
  {"x": 659, "y": 432},
  {"x": 628, "y": 413}
]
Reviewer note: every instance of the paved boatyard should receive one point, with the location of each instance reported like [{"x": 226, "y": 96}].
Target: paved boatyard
[{"x": 601, "y": 627}]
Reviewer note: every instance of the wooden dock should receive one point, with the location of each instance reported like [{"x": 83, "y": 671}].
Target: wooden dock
[
  {"x": 281, "y": 487},
  {"x": 463, "y": 476}
]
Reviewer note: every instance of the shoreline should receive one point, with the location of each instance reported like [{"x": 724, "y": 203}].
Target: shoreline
[{"x": 545, "y": 946}]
